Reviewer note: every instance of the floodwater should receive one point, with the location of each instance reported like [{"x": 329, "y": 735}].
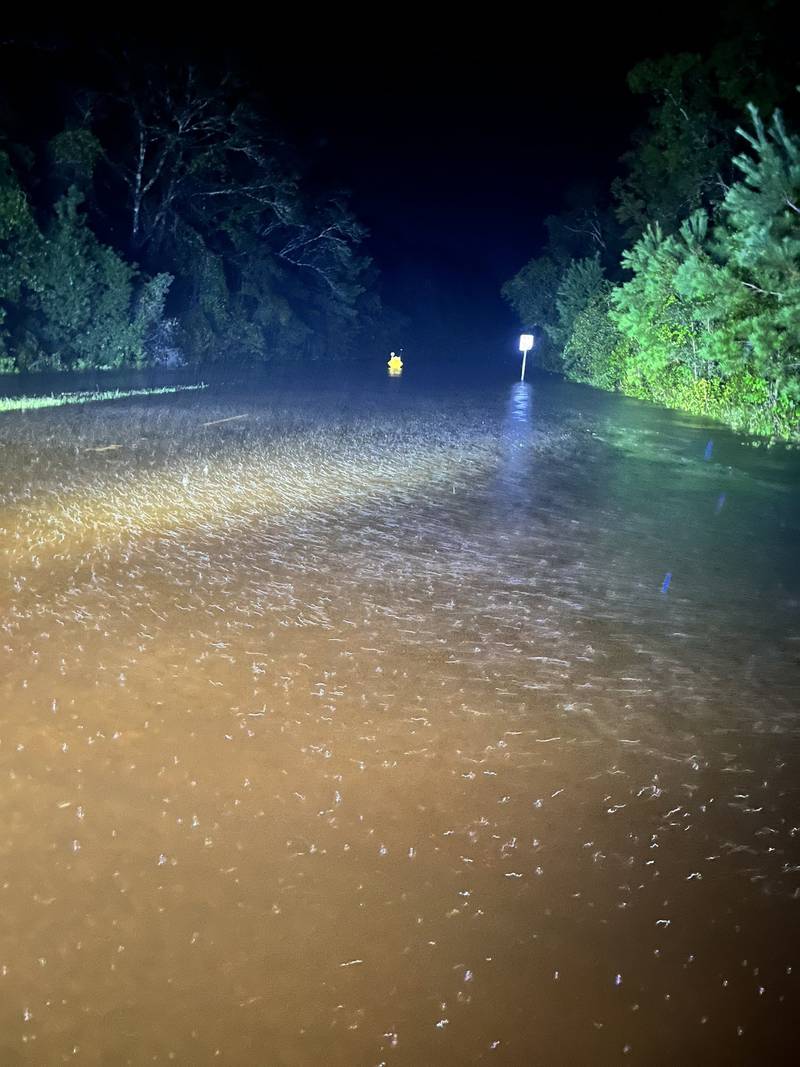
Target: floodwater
[{"x": 396, "y": 723}]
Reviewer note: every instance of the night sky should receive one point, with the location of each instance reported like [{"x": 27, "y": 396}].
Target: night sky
[{"x": 457, "y": 145}]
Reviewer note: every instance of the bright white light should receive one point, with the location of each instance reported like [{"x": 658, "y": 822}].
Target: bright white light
[{"x": 526, "y": 342}]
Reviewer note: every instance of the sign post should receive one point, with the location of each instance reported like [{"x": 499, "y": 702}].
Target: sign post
[{"x": 525, "y": 345}]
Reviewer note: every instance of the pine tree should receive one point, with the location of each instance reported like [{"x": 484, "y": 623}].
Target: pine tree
[
  {"x": 762, "y": 242},
  {"x": 582, "y": 283},
  {"x": 750, "y": 281},
  {"x": 668, "y": 325}
]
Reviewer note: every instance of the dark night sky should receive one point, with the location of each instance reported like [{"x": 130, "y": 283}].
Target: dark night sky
[{"x": 456, "y": 146}]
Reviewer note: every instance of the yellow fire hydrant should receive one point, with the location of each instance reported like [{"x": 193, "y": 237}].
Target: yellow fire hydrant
[{"x": 395, "y": 363}]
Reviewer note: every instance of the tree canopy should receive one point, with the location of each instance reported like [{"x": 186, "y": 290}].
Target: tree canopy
[
  {"x": 695, "y": 301},
  {"x": 166, "y": 220}
]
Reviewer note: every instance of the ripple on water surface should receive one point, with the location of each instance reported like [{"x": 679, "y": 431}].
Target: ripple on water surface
[{"x": 363, "y": 727}]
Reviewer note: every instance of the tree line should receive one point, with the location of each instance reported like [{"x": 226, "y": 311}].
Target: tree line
[
  {"x": 682, "y": 286},
  {"x": 154, "y": 216}
]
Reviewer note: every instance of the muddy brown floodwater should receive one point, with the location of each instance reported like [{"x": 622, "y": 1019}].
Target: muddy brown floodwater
[{"x": 391, "y": 724}]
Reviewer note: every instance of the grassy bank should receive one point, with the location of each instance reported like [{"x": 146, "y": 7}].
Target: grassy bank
[
  {"x": 742, "y": 400},
  {"x": 31, "y": 403}
]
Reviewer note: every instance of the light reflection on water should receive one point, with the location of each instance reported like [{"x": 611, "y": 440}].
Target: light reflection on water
[
  {"x": 359, "y": 730},
  {"x": 517, "y": 436},
  {"x": 520, "y": 407}
]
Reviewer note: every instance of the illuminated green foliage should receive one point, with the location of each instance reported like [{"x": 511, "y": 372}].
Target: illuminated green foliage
[
  {"x": 708, "y": 319},
  {"x": 582, "y": 283},
  {"x": 654, "y": 310},
  {"x": 593, "y": 336},
  {"x": 753, "y": 281},
  {"x": 551, "y": 297},
  {"x": 68, "y": 301}
]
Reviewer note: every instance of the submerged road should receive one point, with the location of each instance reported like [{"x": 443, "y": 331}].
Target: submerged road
[{"x": 389, "y": 722}]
